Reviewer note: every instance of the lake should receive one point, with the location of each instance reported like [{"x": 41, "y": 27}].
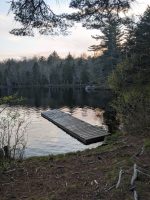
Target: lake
[{"x": 45, "y": 138}]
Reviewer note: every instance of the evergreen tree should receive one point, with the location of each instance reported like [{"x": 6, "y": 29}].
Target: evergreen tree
[
  {"x": 36, "y": 74},
  {"x": 37, "y": 14},
  {"x": 84, "y": 76},
  {"x": 131, "y": 81},
  {"x": 110, "y": 42}
]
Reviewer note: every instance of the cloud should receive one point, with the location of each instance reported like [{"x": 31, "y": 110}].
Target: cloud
[
  {"x": 5, "y": 24},
  {"x": 76, "y": 43},
  {"x": 139, "y": 6},
  {"x": 25, "y": 46}
]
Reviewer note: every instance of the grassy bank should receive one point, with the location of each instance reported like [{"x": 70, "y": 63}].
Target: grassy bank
[{"x": 88, "y": 175}]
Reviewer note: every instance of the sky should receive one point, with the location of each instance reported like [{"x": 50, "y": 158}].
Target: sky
[{"x": 77, "y": 42}]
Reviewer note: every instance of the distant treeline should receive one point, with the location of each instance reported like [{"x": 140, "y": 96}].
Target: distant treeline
[{"x": 52, "y": 71}]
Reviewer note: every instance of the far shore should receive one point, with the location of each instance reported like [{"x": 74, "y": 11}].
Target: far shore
[{"x": 60, "y": 86}]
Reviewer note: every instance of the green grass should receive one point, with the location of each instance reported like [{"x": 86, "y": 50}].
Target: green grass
[
  {"x": 113, "y": 137},
  {"x": 6, "y": 164},
  {"x": 109, "y": 146},
  {"x": 52, "y": 157}
]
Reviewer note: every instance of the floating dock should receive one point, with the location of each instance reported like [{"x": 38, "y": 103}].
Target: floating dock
[{"x": 82, "y": 131}]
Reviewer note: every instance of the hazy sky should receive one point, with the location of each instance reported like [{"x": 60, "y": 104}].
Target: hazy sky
[{"x": 76, "y": 43}]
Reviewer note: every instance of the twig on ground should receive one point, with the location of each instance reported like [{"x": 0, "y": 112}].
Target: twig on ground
[
  {"x": 144, "y": 173},
  {"x": 3, "y": 109},
  {"x": 134, "y": 176},
  {"x": 135, "y": 195},
  {"x": 110, "y": 188},
  {"x": 119, "y": 179},
  {"x": 133, "y": 179}
]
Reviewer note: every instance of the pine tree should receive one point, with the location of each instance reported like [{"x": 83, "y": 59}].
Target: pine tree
[
  {"x": 36, "y": 74},
  {"x": 110, "y": 41},
  {"x": 131, "y": 80},
  {"x": 38, "y": 14}
]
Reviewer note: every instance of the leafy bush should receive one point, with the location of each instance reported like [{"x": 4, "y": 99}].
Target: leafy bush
[
  {"x": 131, "y": 82},
  {"x": 133, "y": 97}
]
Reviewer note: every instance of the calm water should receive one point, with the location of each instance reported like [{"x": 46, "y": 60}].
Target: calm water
[{"x": 45, "y": 138}]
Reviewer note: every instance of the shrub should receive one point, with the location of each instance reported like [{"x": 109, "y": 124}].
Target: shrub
[{"x": 13, "y": 137}]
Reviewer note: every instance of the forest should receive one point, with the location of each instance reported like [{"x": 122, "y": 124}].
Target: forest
[
  {"x": 122, "y": 66},
  {"x": 119, "y": 167},
  {"x": 52, "y": 71}
]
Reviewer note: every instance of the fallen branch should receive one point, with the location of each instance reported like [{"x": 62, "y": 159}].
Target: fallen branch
[
  {"x": 118, "y": 182},
  {"x": 142, "y": 150},
  {"x": 139, "y": 153},
  {"x": 140, "y": 168},
  {"x": 3, "y": 109},
  {"x": 134, "y": 176},
  {"x": 10, "y": 171},
  {"x": 113, "y": 186},
  {"x": 135, "y": 195},
  {"x": 133, "y": 179},
  {"x": 144, "y": 173},
  {"x": 119, "y": 179}
]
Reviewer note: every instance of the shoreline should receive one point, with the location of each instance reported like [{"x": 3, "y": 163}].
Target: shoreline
[
  {"x": 86, "y": 175},
  {"x": 60, "y": 86}
]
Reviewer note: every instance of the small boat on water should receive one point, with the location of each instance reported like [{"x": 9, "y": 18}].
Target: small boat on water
[
  {"x": 89, "y": 88},
  {"x": 92, "y": 88}
]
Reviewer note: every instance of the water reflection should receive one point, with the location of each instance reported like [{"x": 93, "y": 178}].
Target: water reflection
[
  {"x": 58, "y": 98},
  {"x": 90, "y": 115},
  {"x": 44, "y": 137}
]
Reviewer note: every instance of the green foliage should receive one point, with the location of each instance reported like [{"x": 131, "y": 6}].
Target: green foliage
[
  {"x": 4, "y": 165},
  {"x": 109, "y": 44},
  {"x": 94, "y": 13},
  {"x": 37, "y": 14},
  {"x": 36, "y": 74},
  {"x": 84, "y": 76},
  {"x": 131, "y": 82},
  {"x": 113, "y": 137},
  {"x": 11, "y": 99},
  {"x": 52, "y": 71},
  {"x": 68, "y": 71}
]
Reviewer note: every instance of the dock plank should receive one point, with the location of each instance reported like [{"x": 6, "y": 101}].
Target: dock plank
[{"x": 82, "y": 131}]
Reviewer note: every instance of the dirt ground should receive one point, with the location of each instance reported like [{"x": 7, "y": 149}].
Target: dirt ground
[{"x": 89, "y": 175}]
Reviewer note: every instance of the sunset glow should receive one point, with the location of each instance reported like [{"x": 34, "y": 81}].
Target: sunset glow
[{"x": 77, "y": 42}]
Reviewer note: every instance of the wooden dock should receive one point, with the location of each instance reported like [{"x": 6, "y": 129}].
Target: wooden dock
[{"x": 82, "y": 131}]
